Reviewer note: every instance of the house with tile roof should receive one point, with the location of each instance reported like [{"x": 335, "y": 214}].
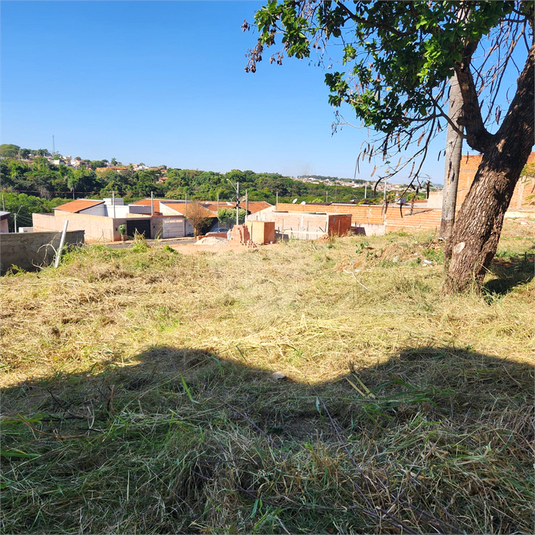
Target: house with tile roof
[
  {"x": 88, "y": 206},
  {"x": 101, "y": 219},
  {"x": 163, "y": 218}
]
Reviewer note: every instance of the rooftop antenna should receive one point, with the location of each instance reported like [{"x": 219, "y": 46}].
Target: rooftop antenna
[{"x": 53, "y": 146}]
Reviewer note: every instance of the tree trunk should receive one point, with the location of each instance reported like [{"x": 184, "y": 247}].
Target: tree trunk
[
  {"x": 479, "y": 222},
  {"x": 454, "y": 144}
]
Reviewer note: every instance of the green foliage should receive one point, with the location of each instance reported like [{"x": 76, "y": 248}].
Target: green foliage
[
  {"x": 140, "y": 243},
  {"x": 227, "y": 216},
  {"x": 39, "y": 177},
  {"x": 8, "y": 150},
  {"x": 395, "y": 56},
  {"x": 25, "y": 205}
]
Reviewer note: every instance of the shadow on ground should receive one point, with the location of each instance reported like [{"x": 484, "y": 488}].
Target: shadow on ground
[
  {"x": 182, "y": 441},
  {"x": 510, "y": 273}
]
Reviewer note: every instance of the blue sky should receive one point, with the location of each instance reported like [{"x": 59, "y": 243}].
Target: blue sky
[{"x": 164, "y": 83}]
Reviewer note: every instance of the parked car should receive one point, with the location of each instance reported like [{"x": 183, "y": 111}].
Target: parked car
[{"x": 220, "y": 229}]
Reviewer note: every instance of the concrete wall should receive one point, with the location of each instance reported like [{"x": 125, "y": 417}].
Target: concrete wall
[
  {"x": 300, "y": 223},
  {"x": 435, "y": 199},
  {"x": 376, "y": 218},
  {"x": 32, "y": 250},
  {"x": 96, "y": 227},
  {"x": 99, "y": 228}
]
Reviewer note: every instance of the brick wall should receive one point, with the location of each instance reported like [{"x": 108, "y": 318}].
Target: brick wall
[
  {"x": 375, "y": 215},
  {"x": 469, "y": 166}
]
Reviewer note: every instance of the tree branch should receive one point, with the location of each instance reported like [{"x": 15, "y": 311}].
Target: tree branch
[
  {"x": 521, "y": 114},
  {"x": 477, "y": 136}
]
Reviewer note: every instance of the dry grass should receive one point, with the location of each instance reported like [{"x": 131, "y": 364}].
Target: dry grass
[{"x": 138, "y": 395}]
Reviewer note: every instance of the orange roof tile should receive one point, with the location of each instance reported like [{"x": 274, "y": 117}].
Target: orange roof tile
[
  {"x": 256, "y": 206},
  {"x": 78, "y": 205},
  {"x": 211, "y": 207},
  {"x": 182, "y": 208}
]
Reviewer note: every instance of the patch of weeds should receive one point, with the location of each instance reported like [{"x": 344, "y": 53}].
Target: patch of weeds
[
  {"x": 169, "y": 249},
  {"x": 140, "y": 243},
  {"x": 166, "y": 318},
  {"x": 15, "y": 270},
  {"x": 434, "y": 255},
  {"x": 361, "y": 247}
]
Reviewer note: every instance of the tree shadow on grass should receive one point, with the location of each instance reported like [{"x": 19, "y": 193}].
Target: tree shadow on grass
[
  {"x": 182, "y": 441},
  {"x": 510, "y": 273}
]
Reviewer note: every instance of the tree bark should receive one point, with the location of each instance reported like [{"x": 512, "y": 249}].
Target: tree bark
[
  {"x": 479, "y": 222},
  {"x": 454, "y": 144}
]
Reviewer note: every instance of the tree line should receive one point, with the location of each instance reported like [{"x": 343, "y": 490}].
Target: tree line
[{"x": 36, "y": 175}]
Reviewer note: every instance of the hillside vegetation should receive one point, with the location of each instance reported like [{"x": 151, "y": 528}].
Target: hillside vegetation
[{"x": 138, "y": 393}]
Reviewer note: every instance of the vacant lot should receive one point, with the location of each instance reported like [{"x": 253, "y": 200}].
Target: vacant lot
[{"x": 139, "y": 395}]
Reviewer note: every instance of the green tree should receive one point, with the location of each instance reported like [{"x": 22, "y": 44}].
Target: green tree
[
  {"x": 24, "y": 153},
  {"x": 8, "y": 150},
  {"x": 227, "y": 216},
  {"x": 398, "y": 58},
  {"x": 146, "y": 182},
  {"x": 119, "y": 182},
  {"x": 23, "y": 206},
  {"x": 197, "y": 217}
]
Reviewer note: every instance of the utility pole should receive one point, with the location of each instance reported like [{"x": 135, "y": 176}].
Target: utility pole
[
  {"x": 246, "y": 204},
  {"x": 237, "y": 190},
  {"x": 151, "y": 203},
  {"x": 237, "y": 203}
]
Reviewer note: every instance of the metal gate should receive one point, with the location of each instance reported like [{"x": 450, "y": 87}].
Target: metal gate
[
  {"x": 142, "y": 226},
  {"x": 173, "y": 228}
]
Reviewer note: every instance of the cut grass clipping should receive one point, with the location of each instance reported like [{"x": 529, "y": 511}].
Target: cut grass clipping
[{"x": 139, "y": 395}]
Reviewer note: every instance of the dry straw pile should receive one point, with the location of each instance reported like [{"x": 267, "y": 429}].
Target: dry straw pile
[{"x": 138, "y": 393}]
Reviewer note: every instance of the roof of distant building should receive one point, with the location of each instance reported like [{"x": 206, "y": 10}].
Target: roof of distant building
[
  {"x": 78, "y": 205},
  {"x": 182, "y": 208},
  {"x": 210, "y": 207},
  {"x": 147, "y": 202}
]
